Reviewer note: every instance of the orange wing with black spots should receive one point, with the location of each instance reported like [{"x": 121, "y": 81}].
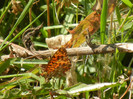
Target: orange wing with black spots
[{"x": 58, "y": 64}]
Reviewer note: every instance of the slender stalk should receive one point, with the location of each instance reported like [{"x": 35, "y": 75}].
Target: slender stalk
[
  {"x": 48, "y": 18},
  {"x": 103, "y": 20}
]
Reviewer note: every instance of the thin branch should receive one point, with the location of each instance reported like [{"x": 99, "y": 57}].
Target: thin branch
[
  {"x": 97, "y": 49},
  {"x": 20, "y": 51}
]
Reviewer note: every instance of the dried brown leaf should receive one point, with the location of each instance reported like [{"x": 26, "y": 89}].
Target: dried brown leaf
[
  {"x": 57, "y": 41},
  {"x": 16, "y": 7}
]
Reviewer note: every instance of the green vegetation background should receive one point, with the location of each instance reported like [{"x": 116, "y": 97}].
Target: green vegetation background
[{"x": 91, "y": 70}]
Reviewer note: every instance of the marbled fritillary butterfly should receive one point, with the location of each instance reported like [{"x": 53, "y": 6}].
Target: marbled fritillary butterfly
[{"x": 58, "y": 64}]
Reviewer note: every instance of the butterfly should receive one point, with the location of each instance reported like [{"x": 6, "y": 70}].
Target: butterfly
[{"x": 58, "y": 65}]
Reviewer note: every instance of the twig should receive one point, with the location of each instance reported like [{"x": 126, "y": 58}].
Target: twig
[
  {"x": 129, "y": 87},
  {"x": 97, "y": 49},
  {"x": 20, "y": 51}
]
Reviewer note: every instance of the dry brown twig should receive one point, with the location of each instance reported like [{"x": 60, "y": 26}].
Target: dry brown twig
[
  {"x": 97, "y": 49},
  {"x": 17, "y": 50}
]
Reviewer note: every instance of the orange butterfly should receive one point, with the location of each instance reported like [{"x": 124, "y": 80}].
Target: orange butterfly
[{"x": 58, "y": 64}]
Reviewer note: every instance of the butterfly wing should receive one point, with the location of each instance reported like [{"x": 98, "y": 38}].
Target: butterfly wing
[{"x": 58, "y": 64}]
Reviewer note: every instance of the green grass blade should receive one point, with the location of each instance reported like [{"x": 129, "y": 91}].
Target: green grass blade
[
  {"x": 118, "y": 15},
  {"x": 7, "y": 8},
  {"x": 103, "y": 20},
  {"x": 80, "y": 87},
  {"x": 27, "y": 61},
  {"x": 128, "y": 3},
  {"x": 27, "y": 75},
  {"x": 59, "y": 26}
]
